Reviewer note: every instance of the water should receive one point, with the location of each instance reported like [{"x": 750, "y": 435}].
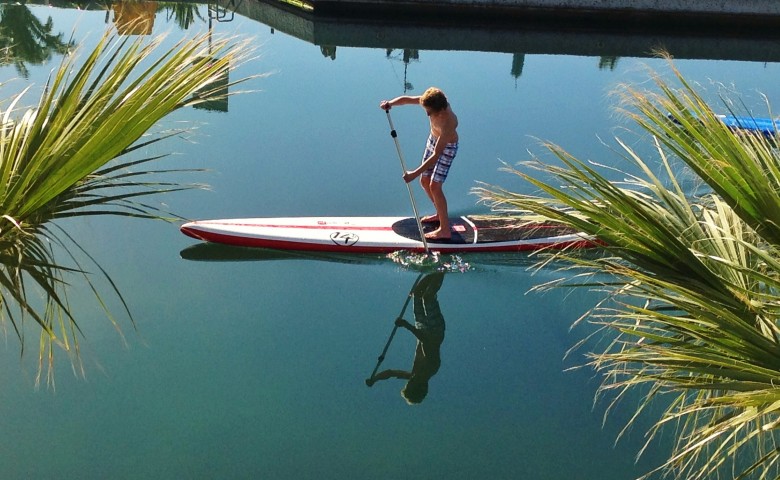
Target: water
[{"x": 255, "y": 367}]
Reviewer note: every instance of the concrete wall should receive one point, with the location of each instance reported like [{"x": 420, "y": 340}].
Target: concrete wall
[{"x": 706, "y": 7}]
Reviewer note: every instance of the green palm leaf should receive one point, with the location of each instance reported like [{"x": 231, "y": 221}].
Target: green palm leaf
[{"x": 59, "y": 159}]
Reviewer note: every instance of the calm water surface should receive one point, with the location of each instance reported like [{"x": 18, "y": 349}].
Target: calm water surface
[{"x": 256, "y": 368}]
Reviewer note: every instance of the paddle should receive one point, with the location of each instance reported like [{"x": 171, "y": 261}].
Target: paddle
[
  {"x": 381, "y": 358},
  {"x": 408, "y": 186}
]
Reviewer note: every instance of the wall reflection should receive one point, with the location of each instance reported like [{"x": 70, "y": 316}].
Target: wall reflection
[{"x": 605, "y": 41}]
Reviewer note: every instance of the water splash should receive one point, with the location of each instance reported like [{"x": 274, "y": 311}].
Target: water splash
[{"x": 433, "y": 261}]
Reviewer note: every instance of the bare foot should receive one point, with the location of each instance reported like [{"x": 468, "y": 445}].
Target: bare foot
[
  {"x": 438, "y": 235},
  {"x": 429, "y": 219}
]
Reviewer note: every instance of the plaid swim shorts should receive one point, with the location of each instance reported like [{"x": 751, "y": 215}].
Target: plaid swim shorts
[{"x": 442, "y": 167}]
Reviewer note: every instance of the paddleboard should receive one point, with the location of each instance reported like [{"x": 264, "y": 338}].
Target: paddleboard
[
  {"x": 471, "y": 233},
  {"x": 766, "y": 126}
]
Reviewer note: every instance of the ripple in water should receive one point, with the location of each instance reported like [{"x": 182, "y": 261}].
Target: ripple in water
[{"x": 433, "y": 261}]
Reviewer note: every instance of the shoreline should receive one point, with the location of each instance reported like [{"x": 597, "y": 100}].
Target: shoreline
[{"x": 728, "y": 16}]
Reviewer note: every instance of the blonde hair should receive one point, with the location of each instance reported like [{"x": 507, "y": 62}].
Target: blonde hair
[{"x": 434, "y": 99}]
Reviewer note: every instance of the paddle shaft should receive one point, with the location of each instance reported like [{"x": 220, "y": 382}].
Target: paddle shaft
[{"x": 408, "y": 186}]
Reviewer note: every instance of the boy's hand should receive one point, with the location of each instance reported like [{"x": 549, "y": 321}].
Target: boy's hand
[{"x": 400, "y": 322}]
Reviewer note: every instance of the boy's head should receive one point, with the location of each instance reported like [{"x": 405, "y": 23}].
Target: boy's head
[
  {"x": 414, "y": 391},
  {"x": 434, "y": 100}
]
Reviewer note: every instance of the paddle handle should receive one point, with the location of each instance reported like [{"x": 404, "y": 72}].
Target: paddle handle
[{"x": 408, "y": 186}]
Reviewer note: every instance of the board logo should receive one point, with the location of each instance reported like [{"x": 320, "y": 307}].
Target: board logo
[{"x": 345, "y": 239}]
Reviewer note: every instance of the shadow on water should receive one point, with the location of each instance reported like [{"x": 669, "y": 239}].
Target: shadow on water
[
  {"x": 428, "y": 330},
  {"x": 213, "y": 252},
  {"x": 425, "y": 263}
]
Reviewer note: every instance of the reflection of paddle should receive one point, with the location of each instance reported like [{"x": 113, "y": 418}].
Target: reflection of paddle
[
  {"x": 370, "y": 380},
  {"x": 408, "y": 187}
]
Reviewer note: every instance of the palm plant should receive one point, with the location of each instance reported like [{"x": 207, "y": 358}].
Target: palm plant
[
  {"x": 183, "y": 14},
  {"x": 70, "y": 155},
  {"x": 25, "y": 39},
  {"x": 693, "y": 280}
]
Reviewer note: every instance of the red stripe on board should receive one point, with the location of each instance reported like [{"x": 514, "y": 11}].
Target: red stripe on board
[
  {"x": 301, "y": 227},
  {"x": 240, "y": 241}
]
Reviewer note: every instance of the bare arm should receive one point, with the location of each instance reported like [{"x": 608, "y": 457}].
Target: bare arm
[
  {"x": 400, "y": 322},
  {"x": 402, "y": 100},
  {"x": 448, "y": 135},
  {"x": 386, "y": 374},
  {"x": 428, "y": 163}
]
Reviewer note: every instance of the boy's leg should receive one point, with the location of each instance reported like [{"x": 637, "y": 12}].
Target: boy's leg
[
  {"x": 425, "y": 178},
  {"x": 425, "y": 182},
  {"x": 440, "y": 202},
  {"x": 434, "y": 190}
]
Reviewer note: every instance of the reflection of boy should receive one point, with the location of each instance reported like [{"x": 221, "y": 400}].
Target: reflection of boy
[{"x": 429, "y": 331}]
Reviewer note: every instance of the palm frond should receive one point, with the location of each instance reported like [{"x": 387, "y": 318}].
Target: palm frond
[
  {"x": 60, "y": 159},
  {"x": 694, "y": 289}
]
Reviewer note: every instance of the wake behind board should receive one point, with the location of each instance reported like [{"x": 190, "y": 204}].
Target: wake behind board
[{"x": 385, "y": 234}]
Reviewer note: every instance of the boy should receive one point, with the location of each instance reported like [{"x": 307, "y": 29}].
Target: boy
[{"x": 440, "y": 150}]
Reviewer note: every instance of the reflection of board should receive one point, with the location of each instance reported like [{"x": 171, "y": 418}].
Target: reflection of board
[
  {"x": 384, "y": 234},
  {"x": 216, "y": 252}
]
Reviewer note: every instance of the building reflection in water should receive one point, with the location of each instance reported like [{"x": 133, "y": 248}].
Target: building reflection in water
[{"x": 134, "y": 18}]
